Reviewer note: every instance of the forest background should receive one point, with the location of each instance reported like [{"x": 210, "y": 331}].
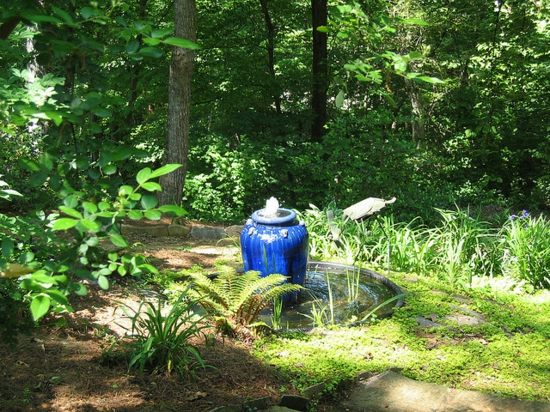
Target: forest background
[{"x": 435, "y": 102}]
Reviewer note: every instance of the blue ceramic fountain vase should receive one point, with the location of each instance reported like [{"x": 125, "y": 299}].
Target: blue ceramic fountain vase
[{"x": 275, "y": 244}]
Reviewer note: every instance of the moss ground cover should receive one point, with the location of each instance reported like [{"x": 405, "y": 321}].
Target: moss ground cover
[{"x": 507, "y": 351}]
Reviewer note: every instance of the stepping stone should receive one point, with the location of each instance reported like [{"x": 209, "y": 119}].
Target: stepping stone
[
  {"x": 392, "y": 392},
  {"x": 427, "y": 323},
  {"x": 208, "y": 233},
  {"x": 234, "y": 230}
]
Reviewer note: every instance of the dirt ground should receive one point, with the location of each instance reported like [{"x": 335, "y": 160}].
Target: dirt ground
[{"x": 67, "y": 364}]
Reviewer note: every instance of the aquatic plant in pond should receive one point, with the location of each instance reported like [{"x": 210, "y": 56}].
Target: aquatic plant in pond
[{"x": 325, "y": 298}]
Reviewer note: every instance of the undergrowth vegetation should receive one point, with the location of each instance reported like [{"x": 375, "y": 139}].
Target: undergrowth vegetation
[
  {"x": 506, "y": 352},
  {"x": 460, "y": 249}
]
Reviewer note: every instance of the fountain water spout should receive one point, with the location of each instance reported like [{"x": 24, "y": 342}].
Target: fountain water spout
[{"x": 271, "y": 207}]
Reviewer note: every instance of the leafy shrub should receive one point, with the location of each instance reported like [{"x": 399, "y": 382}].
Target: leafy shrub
[
  {"x": 460, "y": 247},
  {"x": 163, "y": 337},
  {"x": 55, "y": 264},
  {"x": 236, "y": 300},
  {"x": 526, "y": 243}
]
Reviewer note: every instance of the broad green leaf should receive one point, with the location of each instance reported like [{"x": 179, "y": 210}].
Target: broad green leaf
[
  {"x": 415, "y": 22},
  {"x": 103, "y": 282},
  {"x": 71, "y": 212},
  {"x": 89, "y": 207},
  {"x": 105, "y": 214},
  {"x": 135, "y": 214},
  {"x": 55, "y": 117},
  {"x": 7, "y": 247},
  {"x": 126, "y": 189},
  {"x": 149, "y": 268},
  {"x": 132, "y": 46},
  {"x": 322, "y": 29},
  {"x": 427, "y": 79},
  {"x": 180, "y": 42},
  {"x": 41, "y": 276},
  {"x": 339, "y": 99},
  {"x": 41, "y": 18},
  {"x": 64, "y": 223},
  {"x": 109, "y": 169},
  {"x": 148, "y": 201},
  {"x": 151, "y": 41},
  {"x": 151, "y": 186},
  {"x": 144, "y": 175},
  {"x": 103, "y": 206},
  {"x": 151, "y": 52},
  {"x": 135, "y": 196},
  {"x": 39, "y": 306},
  {"x": 88, "y": 12},
  {"x": 58, "y": 297},
  {"x": 64, "y": 15},
  {"x": 118, "y": 240},
  {"x": 90, "y": 225},
  {"x": 164, "y": 170},
  {"x": 159, "y": 33},
  {"x": 80, "y": 289},
  {"x": 153, "y": 214},
  {"x": 177, "y": 210}
]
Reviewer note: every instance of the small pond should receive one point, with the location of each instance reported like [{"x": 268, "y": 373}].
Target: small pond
[{"x": 337, "y": 294}]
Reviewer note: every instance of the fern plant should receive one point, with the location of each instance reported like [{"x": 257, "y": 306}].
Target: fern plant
[{"x": 236, "y": 300}]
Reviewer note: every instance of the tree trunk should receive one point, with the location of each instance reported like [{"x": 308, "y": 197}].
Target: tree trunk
[
  {"x": 179, "y": 104},
  {"x": 271, "y": 53},
  {"x": 8, "y": 26},
  {"x": 319, "y": 15},
  {"x": 418, "y": 114}
]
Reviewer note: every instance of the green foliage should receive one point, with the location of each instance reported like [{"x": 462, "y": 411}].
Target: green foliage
[
  {"x": 526, "y": 243},
  {"x": 55, "y": 266},
  {"x": 163, "y": 337},
  {"x": 503, "y": 355},
  {"x": 235, "y": 299},
  {"x": 458, "y": 249}
]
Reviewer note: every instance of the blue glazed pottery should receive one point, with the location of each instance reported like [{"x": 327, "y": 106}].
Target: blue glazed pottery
[{"x": 275, "y": 243}]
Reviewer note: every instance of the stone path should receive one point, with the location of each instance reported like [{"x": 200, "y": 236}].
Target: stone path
[{"x": 392, "y": 392}]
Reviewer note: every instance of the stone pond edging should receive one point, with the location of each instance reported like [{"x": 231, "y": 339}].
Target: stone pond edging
[{"x": 183, "y": 230}]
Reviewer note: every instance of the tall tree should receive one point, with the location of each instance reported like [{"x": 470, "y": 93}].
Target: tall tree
[
  {"x": 271, "y": 53},
  {"x": 319, "y": 15},
  {"x": 179, "y": 103}
]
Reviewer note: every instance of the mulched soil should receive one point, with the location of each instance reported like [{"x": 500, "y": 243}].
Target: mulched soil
[{"x": 67, "y": 364}]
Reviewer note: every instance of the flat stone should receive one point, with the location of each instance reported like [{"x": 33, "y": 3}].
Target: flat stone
[
  {"x": 364, "y": 375},
  {"x": 278, "y": 408},
  {"x": 148, "y": 230},
  {"x": 465, "y": 320},
  {"x": 427, "y": 323},
  {"x": 259, "y": 403},
  {"x": 392, "y": 392},
  {"x": 208, "y": 233},
  {"x": 179, "y": 230},
  {"x": 298, "y": 403},
  {"x": 314, "y": 391},
  {"x": 227, "y": 408},
  {"x": 234, "y": 230},
  {"x": 207, "y": 250}
]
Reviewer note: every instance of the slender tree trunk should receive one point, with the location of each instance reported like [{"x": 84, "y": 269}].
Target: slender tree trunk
[
  {"x": 319, "y": 14},
  {"x": 271, "y": 53},
  {"x": 179, "y": 103},
  {"x": 8, "y": 26},
  {"x": 418, "y": 113}
]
